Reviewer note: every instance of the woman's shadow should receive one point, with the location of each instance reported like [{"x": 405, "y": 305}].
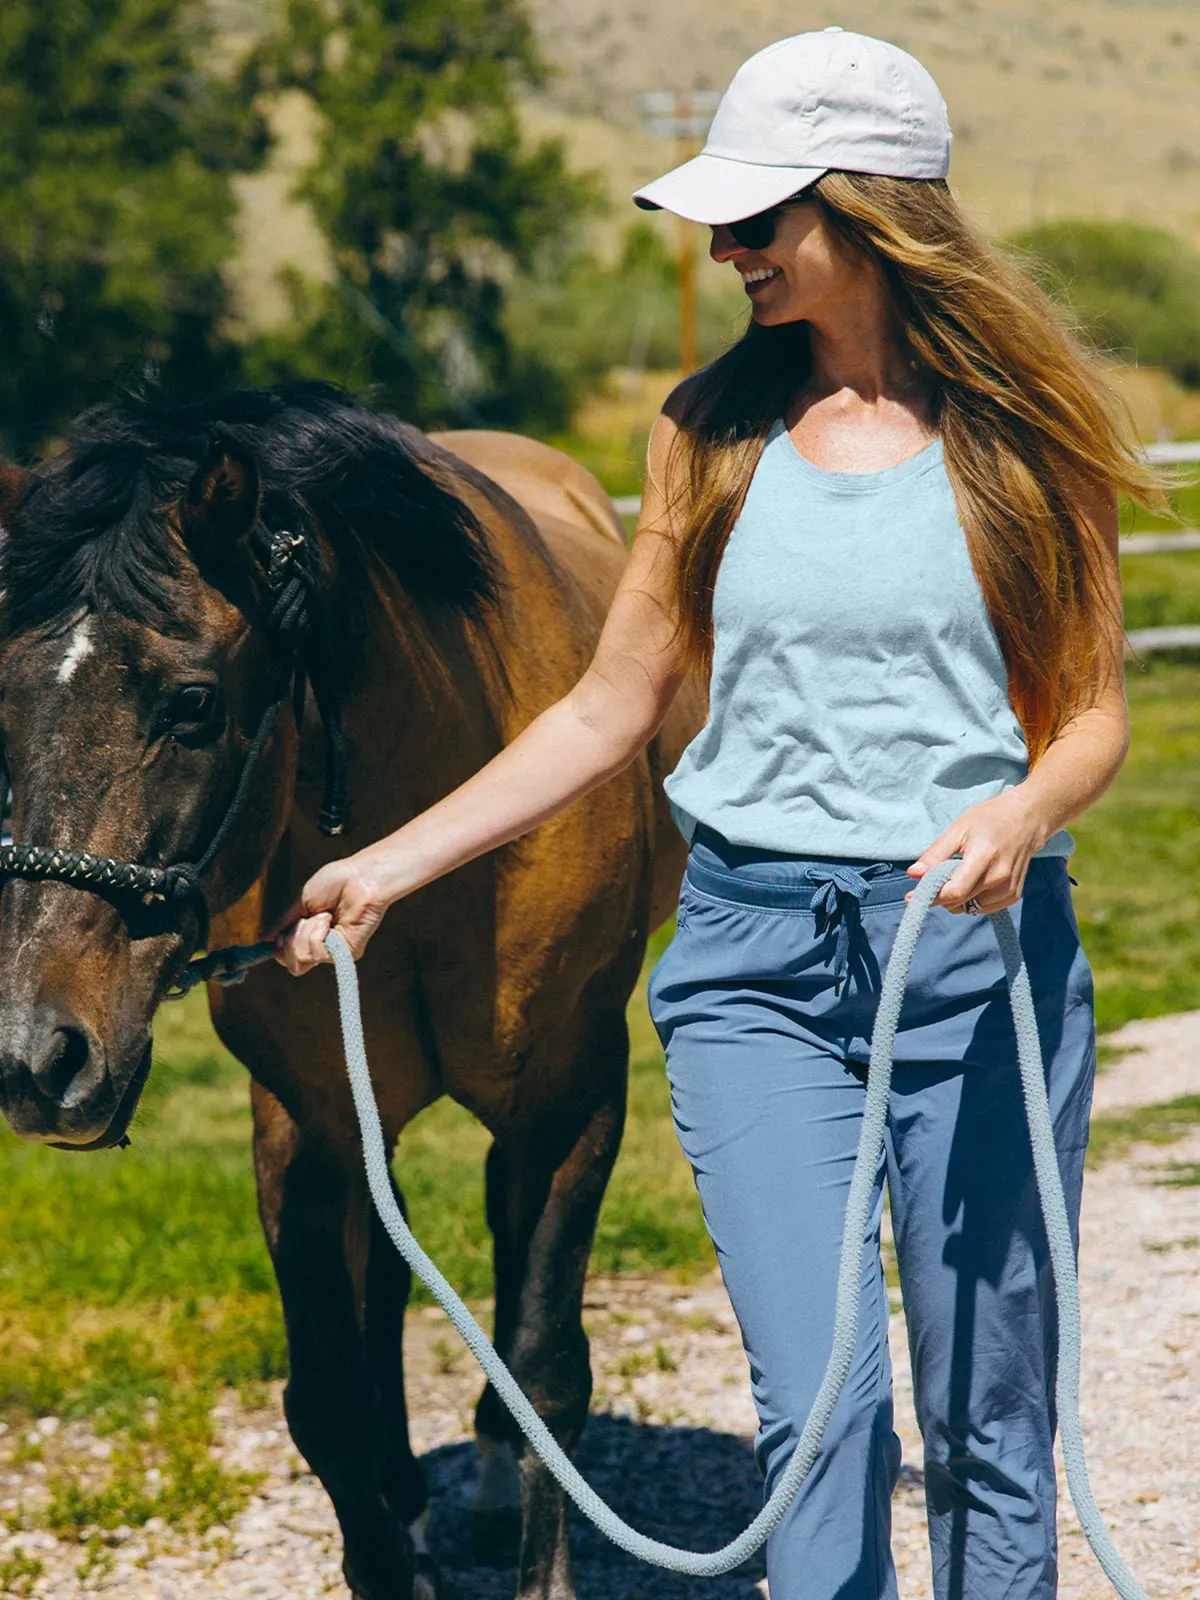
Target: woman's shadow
[{"x": 686, "y": 1486}]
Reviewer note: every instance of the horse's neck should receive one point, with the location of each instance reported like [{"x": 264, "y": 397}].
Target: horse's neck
[{"x": 419, "y": 710}]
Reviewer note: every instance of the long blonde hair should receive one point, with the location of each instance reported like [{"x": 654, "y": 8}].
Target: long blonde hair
[{"x": 1027, "y": 418}]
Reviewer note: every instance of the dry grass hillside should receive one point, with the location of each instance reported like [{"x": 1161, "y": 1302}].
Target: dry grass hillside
[{"x": 1059, "y": 107}]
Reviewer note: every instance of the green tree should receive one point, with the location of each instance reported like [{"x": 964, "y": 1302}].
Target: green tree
[
  {"x": 433, "y": 202},
  {"x": 116, "y": 212},
  {"x": 593, "y": 316},
  {"x": 1136, "y": 289}
]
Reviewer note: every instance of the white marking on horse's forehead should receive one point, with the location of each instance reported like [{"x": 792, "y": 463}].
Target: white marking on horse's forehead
[{"x": 81, "y": 645}]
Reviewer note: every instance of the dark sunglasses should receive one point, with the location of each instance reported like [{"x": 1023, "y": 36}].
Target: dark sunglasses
[{"x": 756, "y": 232}]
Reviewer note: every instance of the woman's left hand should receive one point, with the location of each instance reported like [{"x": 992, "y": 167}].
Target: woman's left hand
[{"x": 996, "y": 838}]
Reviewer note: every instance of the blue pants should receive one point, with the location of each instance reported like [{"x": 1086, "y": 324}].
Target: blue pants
[{"x": 765, "y": 1002}]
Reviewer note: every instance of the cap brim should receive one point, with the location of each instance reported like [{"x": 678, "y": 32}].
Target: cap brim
[{"x": 713, "y": 189}]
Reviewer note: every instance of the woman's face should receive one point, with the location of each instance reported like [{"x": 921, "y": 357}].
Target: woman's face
[{"x": 802, "y": 269}]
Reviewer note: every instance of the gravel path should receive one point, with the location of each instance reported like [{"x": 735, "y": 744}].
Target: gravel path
[{"x": 669, "y": 1440}]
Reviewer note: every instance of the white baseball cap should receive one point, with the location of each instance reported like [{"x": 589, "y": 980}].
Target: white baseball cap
[{"x": 802, "y": 106}]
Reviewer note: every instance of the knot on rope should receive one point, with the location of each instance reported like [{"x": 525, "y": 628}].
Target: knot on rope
[
  {"x": 290, "y": 581},
  {"x": 225, "y": 966},
  {"x": 181, "y": 882}
]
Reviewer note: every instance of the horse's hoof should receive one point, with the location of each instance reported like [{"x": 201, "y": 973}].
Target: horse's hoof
[
  {"x": 428, "y": 1583},
  {"x": 496, "y": 1537}
]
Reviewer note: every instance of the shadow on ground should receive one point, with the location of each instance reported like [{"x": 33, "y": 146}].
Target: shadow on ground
[{"x": 686, "y": 1486}]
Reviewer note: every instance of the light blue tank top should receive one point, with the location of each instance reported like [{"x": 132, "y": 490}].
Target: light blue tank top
[{"x": 859, "y": 698}]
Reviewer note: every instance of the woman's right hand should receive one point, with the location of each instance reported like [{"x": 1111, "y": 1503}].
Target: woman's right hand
[{"x": 344, "y": 895}]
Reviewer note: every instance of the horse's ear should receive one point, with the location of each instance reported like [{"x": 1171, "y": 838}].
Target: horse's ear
[
  {"x": 222, "y": 502},
  {"x": 13, "y": 483}
]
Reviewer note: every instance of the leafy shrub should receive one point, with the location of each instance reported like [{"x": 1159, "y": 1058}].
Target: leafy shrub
[
  {"x": 1135, "y": 289},
  {"x": 596, "y": 316}
]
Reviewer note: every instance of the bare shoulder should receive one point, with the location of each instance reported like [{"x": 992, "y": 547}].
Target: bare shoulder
[
  {"x": 675, "y": 405},
  {"x": 662, "y": 456}
]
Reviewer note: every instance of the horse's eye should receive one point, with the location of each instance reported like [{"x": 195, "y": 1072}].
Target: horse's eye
[{"x": 191, "y": 706}]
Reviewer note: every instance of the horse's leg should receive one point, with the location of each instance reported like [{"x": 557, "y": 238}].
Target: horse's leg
[
  {"x": 389, "y": 1280},
  {"x": 313, "y": 1203},
  {"x": 496, "y": 1508},
  {"x": 543, "y": 1216}
]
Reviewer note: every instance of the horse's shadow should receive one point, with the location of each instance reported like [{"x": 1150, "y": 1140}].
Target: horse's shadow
[{"x": 685, "y": 1486}]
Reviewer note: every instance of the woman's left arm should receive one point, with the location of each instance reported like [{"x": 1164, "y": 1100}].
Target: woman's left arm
[{"x": 999, "y": 837}]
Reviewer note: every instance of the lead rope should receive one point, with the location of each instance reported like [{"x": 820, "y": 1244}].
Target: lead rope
[{"x": 697, "y": 1563}]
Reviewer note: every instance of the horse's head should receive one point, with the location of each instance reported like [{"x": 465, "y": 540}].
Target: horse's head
[
  {"x": 147, "y": 601},
  {"x": 134, "y": 670}
]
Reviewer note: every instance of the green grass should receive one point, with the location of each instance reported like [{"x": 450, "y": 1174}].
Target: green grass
[
  {"x": 1138, "y": 900},
  {"x": 19, "y": 1573},
  {"x": 1114, "y": 1133},
  {"x": 1162, "y": 590},
  {"x": 1185, "y": 499},
  {"x": 161, "y": 1467},
  {"x": 1179, "y": 1174},
  {"x": 618, "y": 465}
]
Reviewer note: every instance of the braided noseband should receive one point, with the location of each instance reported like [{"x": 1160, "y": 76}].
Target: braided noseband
[
  {"x": 83, "y": 871},
  {"x": 291, "y": 581}
]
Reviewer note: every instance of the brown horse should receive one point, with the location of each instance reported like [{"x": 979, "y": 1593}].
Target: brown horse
[{"x": 458, "y": 585}]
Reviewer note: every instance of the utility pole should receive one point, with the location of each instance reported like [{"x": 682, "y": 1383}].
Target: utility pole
[{"x": 683, "y": 115}]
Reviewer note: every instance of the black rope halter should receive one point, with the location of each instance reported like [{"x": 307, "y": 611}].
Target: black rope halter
[{"x": 290, "y": 622}]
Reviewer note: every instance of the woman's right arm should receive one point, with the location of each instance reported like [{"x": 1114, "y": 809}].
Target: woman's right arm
[{"x": 577, "y": 743}]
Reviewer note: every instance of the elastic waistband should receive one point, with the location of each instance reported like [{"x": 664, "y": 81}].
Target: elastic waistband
[
  {"x": 788, "y": 886},
  {"x": 756, "y": 878}
]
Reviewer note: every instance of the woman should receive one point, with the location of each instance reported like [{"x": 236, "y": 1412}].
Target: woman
[{"x": 885, "y": 523}]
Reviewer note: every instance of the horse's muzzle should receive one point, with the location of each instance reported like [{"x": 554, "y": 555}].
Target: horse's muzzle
[{"x": 56, "y": 1086}]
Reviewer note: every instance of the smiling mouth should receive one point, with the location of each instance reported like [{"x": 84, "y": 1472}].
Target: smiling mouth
[{"x": 760, "y": 275}]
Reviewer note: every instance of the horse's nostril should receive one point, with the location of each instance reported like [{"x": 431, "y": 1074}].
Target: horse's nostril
[{"x": 63, "y": 1058}]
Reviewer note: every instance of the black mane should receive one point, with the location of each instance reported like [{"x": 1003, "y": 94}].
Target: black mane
[{"x": 91, "y": 528}]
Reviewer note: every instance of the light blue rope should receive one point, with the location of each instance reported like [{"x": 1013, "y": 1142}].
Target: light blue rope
[{"x": 870, "y": 1148}]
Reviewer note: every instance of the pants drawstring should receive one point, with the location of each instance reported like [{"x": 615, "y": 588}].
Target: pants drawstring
[{"x": 840, "y": 889}]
